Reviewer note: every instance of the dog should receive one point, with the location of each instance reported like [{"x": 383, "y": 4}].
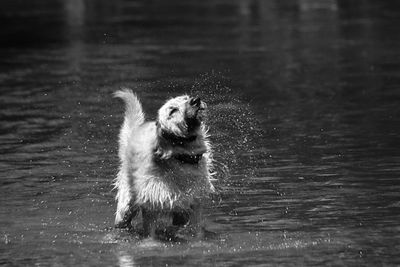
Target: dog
[{"x": 165, "y": 165}]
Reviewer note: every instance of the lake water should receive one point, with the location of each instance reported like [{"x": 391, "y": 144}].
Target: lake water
[{"x": 304, "y": 116}]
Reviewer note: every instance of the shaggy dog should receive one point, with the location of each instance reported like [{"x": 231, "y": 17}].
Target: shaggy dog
[{"x": 165, "y": 170}]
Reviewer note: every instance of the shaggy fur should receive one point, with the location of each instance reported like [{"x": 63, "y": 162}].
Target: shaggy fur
[{"x": 165, "y": 164}]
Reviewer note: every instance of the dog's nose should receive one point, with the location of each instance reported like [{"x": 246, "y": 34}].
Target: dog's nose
[{"x": 195, "y": 101}]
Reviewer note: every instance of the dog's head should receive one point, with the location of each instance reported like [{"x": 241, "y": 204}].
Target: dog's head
[{"x": 181, "y": 116}]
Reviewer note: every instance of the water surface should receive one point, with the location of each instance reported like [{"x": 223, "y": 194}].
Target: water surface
[{"x": 304, "y": 117}]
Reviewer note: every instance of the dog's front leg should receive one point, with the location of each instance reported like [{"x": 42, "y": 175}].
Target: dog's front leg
[
  {"x": 196, "y": 220},
  {"x": 149, "y": 222},
  {"x": 125, "y": 214}
]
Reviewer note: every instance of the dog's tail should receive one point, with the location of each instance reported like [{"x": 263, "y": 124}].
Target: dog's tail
[{"x": 134, "y": 115}]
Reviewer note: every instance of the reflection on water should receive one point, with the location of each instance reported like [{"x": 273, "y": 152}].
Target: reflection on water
[{"x": 304, "y": 106}]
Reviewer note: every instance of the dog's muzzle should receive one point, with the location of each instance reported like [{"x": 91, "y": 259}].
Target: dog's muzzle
[
  {"x": 194, "y": 105},
  {"x": 193, "y": 118}
]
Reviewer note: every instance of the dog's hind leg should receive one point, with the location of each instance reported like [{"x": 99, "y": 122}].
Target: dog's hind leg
[{"x": 180, "y": 218}]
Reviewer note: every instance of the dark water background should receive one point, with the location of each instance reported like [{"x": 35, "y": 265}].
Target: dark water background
[{"x": 305, "y": 120}]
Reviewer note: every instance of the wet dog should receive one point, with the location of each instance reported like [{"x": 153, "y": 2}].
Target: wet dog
[{"x": 165, "y": 172}]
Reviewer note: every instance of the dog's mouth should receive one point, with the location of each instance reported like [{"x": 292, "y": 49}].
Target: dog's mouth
[{"x": 195, "y": 101}]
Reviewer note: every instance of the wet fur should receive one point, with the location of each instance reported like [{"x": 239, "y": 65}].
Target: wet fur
[{"x": 154, "y": 178}]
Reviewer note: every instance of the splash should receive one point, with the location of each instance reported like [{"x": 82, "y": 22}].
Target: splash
[{"x": 233, "y": 125}]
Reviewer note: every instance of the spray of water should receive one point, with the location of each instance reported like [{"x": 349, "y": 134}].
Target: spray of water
[{"x": 233, "y": 126}]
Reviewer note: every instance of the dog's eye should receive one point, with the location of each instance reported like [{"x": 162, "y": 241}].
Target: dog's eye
[{"x": 172, "y": 111}]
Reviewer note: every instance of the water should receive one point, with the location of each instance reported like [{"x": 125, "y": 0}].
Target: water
[{"x": 305, "y": 123}]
